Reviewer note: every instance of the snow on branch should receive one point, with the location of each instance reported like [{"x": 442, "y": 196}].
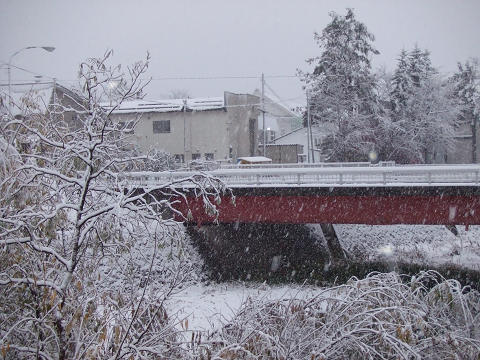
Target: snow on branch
[{"x": 81, "y": 247}]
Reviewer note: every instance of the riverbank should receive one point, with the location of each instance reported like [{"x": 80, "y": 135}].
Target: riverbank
[{"x": 292, "y": 253}]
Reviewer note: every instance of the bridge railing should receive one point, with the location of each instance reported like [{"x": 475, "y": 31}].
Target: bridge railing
[
  {"x": 342, "y": 176},
  {"x": 307, "y": 165}
]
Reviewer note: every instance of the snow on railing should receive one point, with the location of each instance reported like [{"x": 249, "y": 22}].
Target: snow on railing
[
  {"x": 307, "y": 165},
  {"x": 326, "y": 176}
]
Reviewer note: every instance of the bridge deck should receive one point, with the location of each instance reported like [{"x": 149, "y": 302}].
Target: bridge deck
[
  {"x": 451, "y": 205},
  {"x": 447, "y": 195}
]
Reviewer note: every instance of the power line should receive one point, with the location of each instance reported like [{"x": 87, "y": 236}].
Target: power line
[
  {"x": 26, "y": 70},
  {"x": 168, "y": 78},
  {"x": 29, "y": 83}
]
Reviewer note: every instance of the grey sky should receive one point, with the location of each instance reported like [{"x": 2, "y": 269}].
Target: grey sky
[{"x": 224, "y": 38}]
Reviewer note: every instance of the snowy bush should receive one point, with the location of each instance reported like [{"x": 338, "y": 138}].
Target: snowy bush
[{"x": 383, "y": 316}]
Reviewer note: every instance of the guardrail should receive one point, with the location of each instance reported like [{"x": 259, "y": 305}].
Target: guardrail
[
  {"x": 342, "y": 176},
  {"x": 308, "y": 165}
]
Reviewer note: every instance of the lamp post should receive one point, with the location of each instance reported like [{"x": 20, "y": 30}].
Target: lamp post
[{"x": 46, "y": 48}]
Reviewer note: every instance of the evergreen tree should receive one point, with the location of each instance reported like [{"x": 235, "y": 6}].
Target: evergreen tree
[
  {"x": 467, "y": 91},
  {"x": 414, "y": 70},
  {"x": 342, "y": 87},
  {"x": 420, "y": 66},
  {"x": 401, "y": 82},
  {"x": 420, "y": 124}
]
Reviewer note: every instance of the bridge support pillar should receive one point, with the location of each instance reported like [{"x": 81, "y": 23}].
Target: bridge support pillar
[
  {"x": 453, "y": 229},
  {"x": 335, "y": 248}
]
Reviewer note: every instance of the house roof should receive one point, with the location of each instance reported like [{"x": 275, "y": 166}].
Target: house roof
[
  {"x": 36, "y": 97},
  {"x": 291, "y": 144},
  {"x": 254, "y": 159},
  {"x": 169, "y": 105},
  {"x": 290, "y": 133}
]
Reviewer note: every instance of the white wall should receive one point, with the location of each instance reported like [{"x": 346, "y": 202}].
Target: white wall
[
  {"x": 190, "y": 132},
  {"x": 199, "y": 132}
]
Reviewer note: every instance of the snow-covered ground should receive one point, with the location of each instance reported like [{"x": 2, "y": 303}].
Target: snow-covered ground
[
  {"x": 423, "y": 244},
  {"x": 208, "y": 306}
]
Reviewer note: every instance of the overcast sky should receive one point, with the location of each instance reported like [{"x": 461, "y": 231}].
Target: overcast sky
[{"x": 217, "y": 38}]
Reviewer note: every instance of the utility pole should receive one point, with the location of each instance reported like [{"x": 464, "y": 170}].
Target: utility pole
[
  {"x": 309, "y": 132},
  {"x": 54, "y": 98},
  {"x": 184, "y": 132},
  {"x": 263, "y": 115},
  {"x": 474, "y": 139}
]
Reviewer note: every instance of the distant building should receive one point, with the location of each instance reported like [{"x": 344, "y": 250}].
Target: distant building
[
  {"x": 222, "y": 128},
  {"x": 285, "y": 153},
  {"x": 464, "y": 145},
  {"x": 67, "y": 105},
  {"x": 279, "y": 120},
  {"x": 300, "y": 136},
  {"x": 46, "y": 98}
]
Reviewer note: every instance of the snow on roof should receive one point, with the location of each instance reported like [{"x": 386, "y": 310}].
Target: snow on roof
[
  {"x": 34, "y": 96},
  {"x": 169, "y": 105},
  {"x": 254, "y": 159},
  {"x": 286, "y": 144}
]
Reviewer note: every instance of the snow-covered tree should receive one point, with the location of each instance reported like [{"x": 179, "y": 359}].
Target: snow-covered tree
[
  {"x": 342, "y": 88},
  {"x": 467, "y": 90},
  {"x": 420, "y": 66},
  {"x": 401, "y": 82},
  {"x": 86, "y": 259},
  {"x": 420, "y": 124}
]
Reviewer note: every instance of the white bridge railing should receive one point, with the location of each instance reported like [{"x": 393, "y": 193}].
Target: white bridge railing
[
  {"x": 307, "y": 165},
  {"x": 326, "y": 176}
]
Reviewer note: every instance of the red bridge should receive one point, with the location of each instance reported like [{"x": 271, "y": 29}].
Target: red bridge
[{"x": 444, "y": 195}]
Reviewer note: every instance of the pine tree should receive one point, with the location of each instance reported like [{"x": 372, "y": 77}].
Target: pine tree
[
  {"x": 420, "y": 66},
  {"x": 342, "y": 87},
  {"x": 420, "y": 124},
  {"x": 401, "y": 82},
  {"x": 467, "y": 91}
]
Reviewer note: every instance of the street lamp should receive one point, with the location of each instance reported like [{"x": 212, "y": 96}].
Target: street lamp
[{"x": 46, "y": 48}]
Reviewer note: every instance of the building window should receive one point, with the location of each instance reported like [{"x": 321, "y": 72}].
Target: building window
[
  {"x": 270, "y": 136},
  {"x": 317, "y": 142},
  {"x": 161, "y": 126},
  {"x": 209, "y": 156},
  {"x": 196, "y": 156}
]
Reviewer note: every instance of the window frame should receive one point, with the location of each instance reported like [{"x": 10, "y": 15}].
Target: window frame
[{"x": 158, "y": 127}]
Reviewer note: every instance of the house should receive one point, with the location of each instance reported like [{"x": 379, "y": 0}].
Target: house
[
  {"x": 222, "y": 128},
  {"x": 67, "y": 105},
  {"x": 300, "y": 137},
  {"x": 465, "y": 145},
  {"x": 285, "y": 153},
  {"x": 46, "y": 98},
  {"x": 279, "y": 120}
]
